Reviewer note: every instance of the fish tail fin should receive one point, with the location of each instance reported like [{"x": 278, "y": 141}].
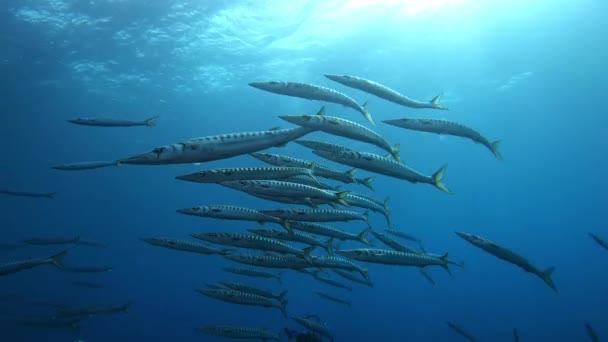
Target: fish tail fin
[
  {"x": 546, "y": 276},
  {"x": 283, "y": 308},
  {"x": 366, "y": 113},
  {"x": 285, "y": 224},
  {"x": 494, "y": 147},
  {"x": 306, "y": 253},
  {"x": 51, "y": 195},
  {"x": 340, "y": 198},
  {"x": 366, "y": 215},
  {"x": 311, "y": 173},
  {"x": 151, "y": 121},
  {"x": 395, "y": 150},
  {"x": 388, "y": 220},
  {"x": 363, "y": 235},
  {"x": 367, "y": 182},
  {"x": 445, "y": 263},
  {"x": 351, "y": 174},
  {"x": 282, "y": 296},
  {"x": 329, "y": 245},
  {"x": 435, "y": 102},
  {"x": 438, "y": 177},
  {"x": 57, "y": 259}
]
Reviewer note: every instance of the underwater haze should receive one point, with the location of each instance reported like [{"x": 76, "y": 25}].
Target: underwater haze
[{"x": 531, "y": 74}]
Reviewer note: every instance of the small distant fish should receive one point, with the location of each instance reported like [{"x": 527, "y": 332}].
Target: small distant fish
[
  {"x": 92, "y": 311},
  {"x": 313, "y": 92},
  {"x": 460, "y": 331},
  {"x": 315, "y": 326},
  {"x": 49, "y": 195},
  {"x": 591, "y": 333},
  {"x": 113, "y": 122},
  {"x": 250, "y": 272},
  {"x": 509, "y": 256},
  {"x": 385, "y": 92},
  {"x": 49, "y": 323},
  {"x": 317, "y": 215},
  {"x": 599, "y": 240},
  {"x": 240, "y": 333},
  {"x": 255, "y": 290},
  {"x": 231, "y": 212},
  {"x": 448, "y": 128},
  {"x": 187, "y": 246},
  {"x": 85, "y": 165},
  {"x": 87, "y": 269},
  {"x": 406, "y": 236},
  {"x": 320, "y": 229},
  {"x": 243, "y": 298},
  {"x": 425, "y": 273},
  {"x": 317, "y": 275},
  {"x": 87, "y": 284},
  {"x": 249, "y": 173},
  {"x": 17, "y": 266},
  {"x": 334, "y": 299},
  {"x": 344, "y": 128},
  {"x": 390, "y": 257},
  {"x": 53, "y": 241},
  {"x": 351, "y": 276}
]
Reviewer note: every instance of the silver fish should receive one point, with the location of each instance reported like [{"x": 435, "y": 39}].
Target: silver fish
[
  {"x": 320, "y": 229},
  {"x": 249, "y": 173},
  {"x": 17, "y": 266},
  {"x": 254, "y": 290},
  {"x": 85, "y": 165},
  {"x": 250, "y": 272},
  {"x": 101, "y": 122},
  {"x": 317, "y": 275},
  {"x": 334, "y": 299},
  {"x": 322, "y": 146},
  {"x": 308, "y": 181},
  {"x": 365, "y": 202},
  {"x": 390, "y": 257},
  {"x": 344, "y": 128},
  {"x": 49, "y": 195},
  {"x": 294, "y": 237},
  {"x": 313, "y": 92},
  {"x": 351, "y": 276},
  {"x": 393, "y": 244},
  {"x": 314, "y": 326},
  {"x": 427, "y": 275},
  {"x": 317, "y": 215},
  {"x": 448, "y": 128},
  {"x": 330, "y": 261},
  {"x": 217, "y": 147},
  {"x": 240, "y": 333},
  {"x": 184, "y": 245},
  {"x": 385, "y": 166},
  {"x": 385, "y": 92},
  {"x": 231, "y": 212},
  {"x": 243, "y": 298},
  {"x": 271, "y": 261}
]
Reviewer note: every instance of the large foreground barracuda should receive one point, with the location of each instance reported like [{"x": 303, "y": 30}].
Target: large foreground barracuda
[
  {"x": 344, "y": 128},
  {"x": 186, "y": 246},
  {"x": 85, "y": 165},
  {"x": 294, "y": 237},
  {"x": 270, "y": 188},
  {"x": 217, "y": 147},
  {"x": 252, "y": 241},
  {"x": 250, "y": 272},
  {"x": 320, "y": 229},
  {"x": 448, "y": 128},
  {"x": 17, "y": 266},
  {"x": 385, "y": 166},
  {"x": 240, "y": 333},
  {"x": 314, "y": 326},
  {"x": 390, "y": 257},
  {"x": 384, "y": 92},
  {"x": 231, "y": 212},
  {"x": 101, "y": 122},
  {"x": 254, "y": 290},
  {"x": 317, "y": 215},
  {"x": 599, "y": 240},
  {"x": 243, "y": 298},
  {"x": 248, "y": 173},
  {"x": 509, "y": 256},
  {"x": 461, "y": 331},
  {"x": 312, "y": 92},
  {"x": 270, "y": 261},
  {"x": 49, "y": 195}
]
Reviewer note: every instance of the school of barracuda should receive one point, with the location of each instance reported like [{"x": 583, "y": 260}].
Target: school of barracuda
[{"x": 300, "y": 235}]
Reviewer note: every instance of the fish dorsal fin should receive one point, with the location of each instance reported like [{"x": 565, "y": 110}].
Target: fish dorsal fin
[{"x": 321, "y": 111}]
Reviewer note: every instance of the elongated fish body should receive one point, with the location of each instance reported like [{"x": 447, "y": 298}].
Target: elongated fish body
[
  {"x": 50, "y": 323},
  {"x": 344, "y": 128},
  {"x": 320, "y": 170},
  {"x": 385, "y": 166},
  {"x": 186, "y": 246},
  {"x": 248, "y": 173},
  {"x": 229, "y": 212},
  {"x": 352, "y": 277},
  {"x": 93, "y": 311},
  {"x": 317, "y": 275},
  {"x": 270, "y": 261},
  {"x": 334, "y": 299},
  {"x": 251, "y": 241},
  {"x": 240, "y": 333},
  {"x": 322, "y": 146},
  {"x": 390, "y": 257},
  {"x": 313, "y": 203},
  {"x": 362, "y": 201},
  {"x": 310, "y": 182},
  {"x": 331, "y": 232},
  {"x": 593, "y": 336},
  {"x": 53, "y": 241},
  {"x": 392, "y": 243},
  {"x": 286, "y": 189},
  {"x": 330, "y": 261},
  {"x": 440, "y": 126},
  {"x": 100, "y": 122},
  {"x": 294, "y": 237},
  {"x": 216, "y": 147},
  {"x": 255, "y": 290},
  {"x": 509, "y": 256},
  {"x": 384, "y": 92},
  {"x": 314, "y": 326},
  {"x": 460, "y": 331},
  {"x": 425, "y": 273},
  {"x": 406, "y": 236},
  {"x": 312, "y": 92},
  {"x": 317, "y": 215},
  {"x": 244, "y": 298},
  {"x": 87, "y": 269},
  {"x": 49, "y": 195},
  {"x": 599, "y": 240},
  {"x": 84, "y": 165},
  {"x": 17, "y": 266},
  {"x": 250, "y": 272}
]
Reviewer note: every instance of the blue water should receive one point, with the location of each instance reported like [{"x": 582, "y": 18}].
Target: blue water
[{"x": 530, "y": 74}]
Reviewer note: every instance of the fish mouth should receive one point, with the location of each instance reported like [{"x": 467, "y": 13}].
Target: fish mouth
[
  {"x": 187, "y": 177},
  {"x": 289, "y": 118},
  {"x": 184, "y": 211},
  {"x": 462, "y": 235},
  {"x": 258, "y": 85}
]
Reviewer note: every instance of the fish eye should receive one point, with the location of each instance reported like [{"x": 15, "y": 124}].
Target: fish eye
[
  {"x": 195, "y": 208},
  {"x": 202, "y": 173},
  {"x": 273, "y": 82},
  {"x": 212, "y": 234},
  {"x": 158, "y": 150}
]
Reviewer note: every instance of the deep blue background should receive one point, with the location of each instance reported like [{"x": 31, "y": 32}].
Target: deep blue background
[{"x": 541, "y": 201}]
